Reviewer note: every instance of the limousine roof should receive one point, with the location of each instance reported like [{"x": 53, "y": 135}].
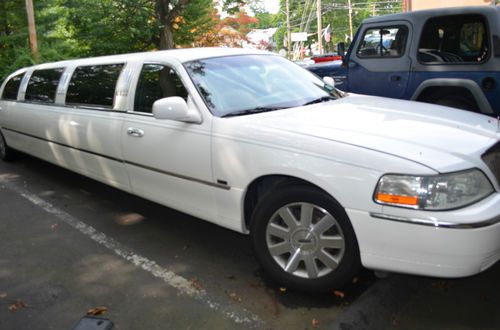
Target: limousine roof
[{"x": 182, "y": 55}]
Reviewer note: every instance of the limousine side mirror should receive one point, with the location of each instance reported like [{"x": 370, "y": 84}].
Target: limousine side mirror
[
  {"x": 329, "y": 83},
  {"x": 175, "y": 108}
]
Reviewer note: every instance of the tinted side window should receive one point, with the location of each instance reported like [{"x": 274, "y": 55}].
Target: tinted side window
[
  {"x": 383, "y": 42},
  {"x": 155, "y": 82},
  {"x": 454, "y": 39},
  {"x": 12, "y": 87},
  {"x": 93, "y": 85},
  {"x": 43, "y": 85}
]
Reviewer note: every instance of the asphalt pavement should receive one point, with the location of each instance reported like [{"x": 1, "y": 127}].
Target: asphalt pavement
[{"x": 69, "y": 244}]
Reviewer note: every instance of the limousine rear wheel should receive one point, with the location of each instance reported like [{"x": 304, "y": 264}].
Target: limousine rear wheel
[
  {"x": 6, "y": 153},
  {"x": 303, "y": 239}
]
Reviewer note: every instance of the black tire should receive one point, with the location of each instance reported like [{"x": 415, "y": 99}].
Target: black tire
[
  {"x": 305, "y": 239},
  {"x": 459, "y": 102},
  {"x": 6, "y": 153}
]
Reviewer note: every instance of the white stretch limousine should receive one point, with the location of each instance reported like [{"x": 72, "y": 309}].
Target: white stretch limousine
[{"x": 322, "y": 181}]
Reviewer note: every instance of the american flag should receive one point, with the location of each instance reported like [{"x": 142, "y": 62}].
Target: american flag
[{"x": 327, "y": 33}]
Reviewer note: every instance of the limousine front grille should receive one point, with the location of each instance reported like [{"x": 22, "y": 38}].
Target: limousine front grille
[{"x": 492, "y": 159}]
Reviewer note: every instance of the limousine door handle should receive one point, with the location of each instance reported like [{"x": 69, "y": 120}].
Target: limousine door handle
[{"x": 137, "y": 132}]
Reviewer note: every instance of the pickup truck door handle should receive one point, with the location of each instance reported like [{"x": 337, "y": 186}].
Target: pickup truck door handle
[
  {"x": 352, "y": 64},
  {"x": 137, "y": 132},
  {"x": 395, "y": 78}
]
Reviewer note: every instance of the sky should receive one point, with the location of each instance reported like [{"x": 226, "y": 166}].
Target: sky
[{"x": 272, "y": 6}]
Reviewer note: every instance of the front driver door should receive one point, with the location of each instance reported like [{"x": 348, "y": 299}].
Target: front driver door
[
  {"x": 379, "y": 62},
  {"x": 168, "y": 161}
]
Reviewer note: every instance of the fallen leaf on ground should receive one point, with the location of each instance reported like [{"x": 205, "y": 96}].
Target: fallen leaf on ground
[
  {"x": 231, "y": 277},
  {"x": 442, "y": 285},
  {"x": 339, "y": 294},
  {"x": 234, "y": 297},
  {"x": 314, "y": 323},
  {"x": 355, "y": 280},
  {"x": 17, "y": 305},
  {"x": 196, "y": 284},
  {"x": 282, "y": 290},
  {"x": 3, "y": 295},
  {"x": 54, "y": 226},
  {"x": 97, "y": 311}
]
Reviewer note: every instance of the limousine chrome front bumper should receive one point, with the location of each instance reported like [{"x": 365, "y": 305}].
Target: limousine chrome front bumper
[{"x": 452, "y": 246}]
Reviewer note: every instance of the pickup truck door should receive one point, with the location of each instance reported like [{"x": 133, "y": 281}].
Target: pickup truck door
[
  {"x": 379, "y": 62},
  {"x": 168, "y": 161}
]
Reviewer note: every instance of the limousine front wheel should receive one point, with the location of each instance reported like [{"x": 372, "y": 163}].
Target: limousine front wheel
[
  {"x": 304, "y": 240},
  {"x": 6, "y": 153}
]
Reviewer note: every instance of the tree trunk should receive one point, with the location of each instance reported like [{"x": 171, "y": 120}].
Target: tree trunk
[
  {"x": 166, "y": 37},
  {"x": 166, "y": 14}
]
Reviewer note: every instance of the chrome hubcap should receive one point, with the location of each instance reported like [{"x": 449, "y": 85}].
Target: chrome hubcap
[{"x": 305, "y": 240}]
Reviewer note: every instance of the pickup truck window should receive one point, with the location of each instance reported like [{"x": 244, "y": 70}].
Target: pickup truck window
[
  {"x": 93, "y": 85},
  {"x": 42, "y": 85},
  {"x": 389, "y": 41},
  {"x": 12, "y": 87},
  {"x": 156, "y": 82},
  {"x": 454, "y": 39}
]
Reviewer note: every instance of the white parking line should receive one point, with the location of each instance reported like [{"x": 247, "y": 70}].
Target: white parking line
[{"x": 182, "y": 285}]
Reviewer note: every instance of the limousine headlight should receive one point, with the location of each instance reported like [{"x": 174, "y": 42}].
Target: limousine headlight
[{"x": 439, "y": 192}]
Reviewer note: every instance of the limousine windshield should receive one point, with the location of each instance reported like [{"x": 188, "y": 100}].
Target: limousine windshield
[{"x": 256, "y": 83}]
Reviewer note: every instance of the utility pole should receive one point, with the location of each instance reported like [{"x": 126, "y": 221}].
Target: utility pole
[
  {"x": 320, "y": 28},
  {"x": 31, "y": 28},
  {"x": 350, "y": 18},
  {"x": 288, "y": 31}
]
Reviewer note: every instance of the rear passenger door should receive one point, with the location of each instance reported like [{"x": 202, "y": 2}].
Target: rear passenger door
[
  {"x": 168, "y": 161},
  {"x": 379, "y": 62},
  {"x": 92, "y": 122}
]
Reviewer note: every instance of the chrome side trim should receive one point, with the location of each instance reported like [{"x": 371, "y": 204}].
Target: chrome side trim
[
  {"x": 62, "y": 144},
  {"x": 433, "y": 222},
  {"x": 180, "y": 176}
]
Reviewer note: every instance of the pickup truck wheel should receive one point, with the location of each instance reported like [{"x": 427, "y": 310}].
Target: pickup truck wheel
[
  {"x": 6, "y": 153},
  {"x": 459, "y": 102},
  {"x": 303, "y": 239}
]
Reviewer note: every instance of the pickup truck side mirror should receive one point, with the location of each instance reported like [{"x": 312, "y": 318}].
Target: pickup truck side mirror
[
  {"x": 175, "y": 108},
  {"x": 341, "y": 49}
]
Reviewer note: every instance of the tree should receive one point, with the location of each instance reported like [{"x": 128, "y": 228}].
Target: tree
[
  {"x": 167, "y": 11},
  {"x": 241, "y": 22},
  {"x": 197, "y": 18},
  {"x": 102, "y": 27}
]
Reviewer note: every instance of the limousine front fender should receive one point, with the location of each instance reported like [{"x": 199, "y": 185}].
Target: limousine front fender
[{"x": 244, "y": 158}]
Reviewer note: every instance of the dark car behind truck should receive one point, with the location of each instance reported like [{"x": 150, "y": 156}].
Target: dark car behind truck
[{"x": 446, "y": 56}]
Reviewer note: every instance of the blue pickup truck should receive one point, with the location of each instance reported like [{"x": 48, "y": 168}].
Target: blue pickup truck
[{"x": 445, "y": 56}]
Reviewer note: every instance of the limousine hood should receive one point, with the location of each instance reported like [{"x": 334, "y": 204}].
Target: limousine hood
[{"x": 442, "y": 138}]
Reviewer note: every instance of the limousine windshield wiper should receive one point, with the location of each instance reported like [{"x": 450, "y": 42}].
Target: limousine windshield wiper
[
  {"x": 252, "y": 111},
  {"x": 320, "y": 100}
]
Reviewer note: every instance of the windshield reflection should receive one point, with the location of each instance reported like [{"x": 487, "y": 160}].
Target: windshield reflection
[{"x": 246, "y": 84}]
